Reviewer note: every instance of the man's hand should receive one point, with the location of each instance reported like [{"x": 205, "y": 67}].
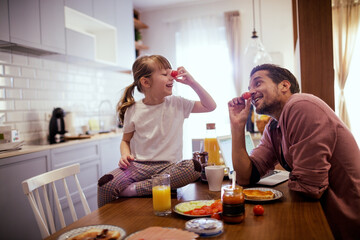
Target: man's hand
[{"x": 239, "y": 110}]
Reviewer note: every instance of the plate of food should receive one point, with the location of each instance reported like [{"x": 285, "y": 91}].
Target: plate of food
[
  {"x": 94, "y": 232},
  {"x": 157, "y": 232},
  {"x": 199, "y": 208},
  {"x": 260, "y": 194}
]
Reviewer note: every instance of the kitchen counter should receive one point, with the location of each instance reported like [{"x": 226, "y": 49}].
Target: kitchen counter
[{"x": 37, "y": 148}]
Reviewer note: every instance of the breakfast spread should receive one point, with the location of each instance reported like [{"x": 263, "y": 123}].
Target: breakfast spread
[
  {"x": 95, "y": 233},
  {"x": 258, "y": 194}
]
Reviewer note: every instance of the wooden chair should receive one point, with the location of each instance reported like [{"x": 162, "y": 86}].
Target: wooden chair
[{"x": 31, "y": 188}]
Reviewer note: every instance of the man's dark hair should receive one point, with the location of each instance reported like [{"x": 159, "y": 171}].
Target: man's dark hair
[{"x": 278, "y": 74}]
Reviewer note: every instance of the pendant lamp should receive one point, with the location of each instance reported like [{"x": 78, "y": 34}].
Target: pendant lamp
[{"x": 255, "y": 53}]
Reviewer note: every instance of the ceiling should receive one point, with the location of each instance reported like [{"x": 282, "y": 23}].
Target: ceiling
[{"x": 146, "y": 5}]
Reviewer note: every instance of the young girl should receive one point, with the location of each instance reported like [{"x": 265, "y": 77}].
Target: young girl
[{"x": 153, "y": 131}]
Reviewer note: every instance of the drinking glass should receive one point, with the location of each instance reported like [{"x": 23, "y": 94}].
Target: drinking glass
[{"x": 161, "y": 194}]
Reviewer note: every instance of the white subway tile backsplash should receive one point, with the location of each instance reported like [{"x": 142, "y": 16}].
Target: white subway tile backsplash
[
  {"x": 28, "y": 72},
  {"x": 49, "y": 64},
  {"x": 13, "y": 93},
  {"x": 31, "y": 87},
  {"x": 6, "y": 105},
  {"x": 5, "y": 82},
  {"x": 2, "y": 93},
  {"x": 35, "y": 84},
  {"x": 20, "y": 60},
  {"x": 29, "y": 94},
  {"x": 15, "y": 117},
  {"x": 42, "y": 74},
  {"x": 12, "y": 70},
  {"x": 40, "y": 105},
  {"x": 22, "y": 105},
  {"x": 21, "y": 82},
  {"x": 5, "y": 57},
  {"x": 34, "y": 62},
  {"x": 49, "y": 84},
  {"x": 34, "y": 115}
]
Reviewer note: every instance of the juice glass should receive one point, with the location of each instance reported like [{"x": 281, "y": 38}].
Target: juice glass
[
  {"x": 212, "y": 147},
  {"x": 161, "y": 194}
]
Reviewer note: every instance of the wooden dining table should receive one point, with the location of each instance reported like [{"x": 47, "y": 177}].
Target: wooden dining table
[{"x": 292, "y": 216}]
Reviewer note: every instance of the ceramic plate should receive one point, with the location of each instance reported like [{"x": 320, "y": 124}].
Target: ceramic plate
[
  {"x": 77, "y": 231},
  {"x": 278, "y": 194},
  {"x": 189, "y": 215}
]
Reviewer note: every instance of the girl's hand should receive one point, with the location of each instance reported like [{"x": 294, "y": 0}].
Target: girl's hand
[
  {"x": 125, "y": 161},
  {"x": 239, "y": 109},
  {"x": 184, "y": 76}
]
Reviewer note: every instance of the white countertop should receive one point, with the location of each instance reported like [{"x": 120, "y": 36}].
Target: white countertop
[{"x": 37, "y": 148}]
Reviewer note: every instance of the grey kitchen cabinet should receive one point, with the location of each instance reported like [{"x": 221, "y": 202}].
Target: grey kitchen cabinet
[
  {"x": 84, "y": 6},
  {"x": 16, "y": 212},
  {"x": 52, "y": 22},
  {"x": 105, "y": 11},
  {"x": 4, "y": 21},
  {"x": 24, "y": 19},
  {"x": 110, "y": 154},
  {"x": 125, "y": 34},
  {"x": 88, "y": 155},
  {"x": 37, "y": 24}
]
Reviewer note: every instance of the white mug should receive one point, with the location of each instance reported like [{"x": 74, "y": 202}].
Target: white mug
[{"x": 215, "y": 176}]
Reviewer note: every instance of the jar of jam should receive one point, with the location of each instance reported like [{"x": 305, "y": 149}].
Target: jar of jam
[{"x": 233, "y": 202}]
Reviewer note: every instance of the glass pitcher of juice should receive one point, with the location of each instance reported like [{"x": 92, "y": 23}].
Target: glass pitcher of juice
[{"x": 211, "y": 145}]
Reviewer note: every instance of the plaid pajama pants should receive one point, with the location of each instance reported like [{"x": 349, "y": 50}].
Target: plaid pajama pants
[{"x": 181, "y": 174}]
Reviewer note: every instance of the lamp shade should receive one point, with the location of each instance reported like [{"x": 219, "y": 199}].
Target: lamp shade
[{"x": 255, "y": 54}]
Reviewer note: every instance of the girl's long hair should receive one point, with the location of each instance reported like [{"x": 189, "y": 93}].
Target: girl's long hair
[{"x": 143, "y": 67}]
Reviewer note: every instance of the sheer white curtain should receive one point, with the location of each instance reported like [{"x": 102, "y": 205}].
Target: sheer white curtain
[{"x": 201, "y": 47}]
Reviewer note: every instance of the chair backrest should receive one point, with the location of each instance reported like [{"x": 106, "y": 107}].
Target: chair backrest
[{"x": 31, "y": 188}]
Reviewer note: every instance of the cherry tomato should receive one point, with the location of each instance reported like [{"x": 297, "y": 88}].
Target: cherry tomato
[
  {"x": 216, "y": 216},
  {"x": 246, "y": 95},
  {"x": 174, "y": 73},
  {"x": 258, "y": 210}
]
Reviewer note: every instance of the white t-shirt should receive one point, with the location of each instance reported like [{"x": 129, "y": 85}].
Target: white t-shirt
[{"x": 158, "y": 129}]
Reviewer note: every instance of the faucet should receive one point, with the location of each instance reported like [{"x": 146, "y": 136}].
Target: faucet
[{"x": 101, "y": 122}]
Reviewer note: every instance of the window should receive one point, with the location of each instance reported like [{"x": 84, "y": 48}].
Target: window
[
  {"x": 351, "y": 91},
  {"x": 201, "y": 47}
]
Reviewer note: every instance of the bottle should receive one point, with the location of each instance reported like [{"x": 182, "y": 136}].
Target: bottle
[
  {"x": 211, "y": 145},
  {"x": 233, "y": 201}
]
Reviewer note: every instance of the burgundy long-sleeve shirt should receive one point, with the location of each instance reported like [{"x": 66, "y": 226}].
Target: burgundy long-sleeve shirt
[{"x": 322, "y": 156}]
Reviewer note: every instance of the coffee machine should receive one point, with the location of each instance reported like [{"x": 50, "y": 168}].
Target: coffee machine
[{"x": 57, "y": 126}]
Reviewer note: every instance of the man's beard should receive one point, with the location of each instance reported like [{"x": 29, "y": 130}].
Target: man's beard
[{"x": 268, "y": 108}]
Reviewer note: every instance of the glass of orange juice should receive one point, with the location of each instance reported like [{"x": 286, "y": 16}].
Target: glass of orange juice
[{"x": 161, "y": 194}]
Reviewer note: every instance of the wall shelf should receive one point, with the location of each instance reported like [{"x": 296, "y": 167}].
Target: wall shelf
[
  {"x": 139, "y": 24},
  {"x": 140, "y": 46}
]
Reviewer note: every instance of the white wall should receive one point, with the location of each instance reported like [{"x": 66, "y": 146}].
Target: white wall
[{"x": 273, "y": 24}]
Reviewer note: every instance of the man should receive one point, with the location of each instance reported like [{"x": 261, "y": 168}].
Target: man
[{"x": 307, "y": 139}]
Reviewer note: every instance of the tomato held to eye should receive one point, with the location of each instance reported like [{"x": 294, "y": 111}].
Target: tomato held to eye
[
  {"x": 258, "y": 210},
  {"x": 174, "y": 73},
  {"x": 246, "y": 95}
]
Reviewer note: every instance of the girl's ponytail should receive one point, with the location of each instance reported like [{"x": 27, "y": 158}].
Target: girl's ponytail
[{"x": 125, "y": 101}]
